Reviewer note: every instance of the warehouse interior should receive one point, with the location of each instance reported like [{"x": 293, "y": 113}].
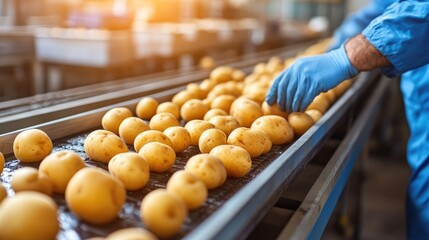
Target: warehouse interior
[{"x": 65, "y": 64}]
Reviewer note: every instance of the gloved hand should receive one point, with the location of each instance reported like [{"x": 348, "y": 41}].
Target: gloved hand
[
  {"x": 356, "y": 23},
  {"x": 296, "y": 87}
]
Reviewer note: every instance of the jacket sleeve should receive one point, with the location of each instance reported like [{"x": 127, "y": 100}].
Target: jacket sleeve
[{"x": 401, "y": 34}]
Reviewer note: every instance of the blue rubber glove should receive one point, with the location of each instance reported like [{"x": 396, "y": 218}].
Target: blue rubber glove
[
  {"x": 296, "y": 87},
  {"x": 357, "y": 22}
]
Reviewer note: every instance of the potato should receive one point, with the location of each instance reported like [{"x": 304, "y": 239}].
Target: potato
[
  {"x": 331, "y": 96},
  {"x": 211, "y": 138},
  {"x": 341, "y": 88},
  {"x": 276, "y": 127},
  {"x": 268, "y": 143},
  {"x": 189, "y": 187},
  {"x": 207, "y": 85},
  {"x": 273, "y": 110},
  {"x": 252, "y": 140},
  {"x": 146, "y": 108},
  {"x": 236, "y": 160},
  {"x": 260, "y": 68},
  {"x": 195, "y": 89},
  {"x": 30, "y": 179},
  {"x": 102, "y": 145},
  {"x": 226, "y": 124},
  {"x": 134, "y": 233},
  {"x": 214, "y": 112},
  {"x": 207, "y": 62},
  {"x": 131, "y": 169},
  {"x": 150, "y": 136},
  {"x": 163, "y": 212},
  {"x": 1, "y": 162},
  {"x": 300, "y": 122},
  {"x": 162, "y": 121},
  {"x": 179, "y": 137},
  {"x": 196, "y": 128},
  {"x": 32, "y": 146},
  {"x": 320, "y": 103},
  {"x": 238, "y": 75},
  {"x": 183, "y": 96},
  {"x": 208, "y": 168},
  {"x": 95, "y": 196},
  {"x": 114, "y": 117},
  {"x": 170, "y": 107},
  {"x": 314, "y": 114},
  {"x": 28, "y": 215},
  {"x": 255, "y": 92},
  {"x": 160, "y": 157},
  {"x": 223, "y": 102},
  {"x": 245, "y": 111},
  {"x": 60, "y": 168},
  {"x": 131, "y": 127},
  {"x": 3, "y": 193},
  {"x": 221, "y": 74},
  {"x": 224, "y": 89},
  {"x": 193, "y": 109}
]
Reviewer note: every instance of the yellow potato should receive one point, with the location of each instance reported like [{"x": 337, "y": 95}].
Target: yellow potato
[
  {"x": 207, "y": 62},
  {"x": 211, "y": 138},
  {"x": 179, "y": 137},
  {"x": 134, "y": 233},
  {"x": 102, "y": 145},
  {"x": 268, "y": 143},
  {"x": 320, "y": 103},
  {"x": 260, "y": 68},
  {"x": 314, "y": 114},
  {"x": 131, "y": 169},
  {"x": 221, "y": 74},
  {"x": 195, "y": 89},
  {"x": 150, "y": 136},
  {"x": 169, "y": 107},
  {"x": 28, "y": 215},
  {"x": 273, "y": 110},
  {"x": 341, "y": 88},
  {"x": 207, "y": 85},
  {"x": 160, "y": 157},
  {"x": 226, "y": 124},
  {"x": 60, "y": 168},
  {"x": 183, "y": 96},
  {"x": 131, "y": 127},
  {"x": 224, "y": 89},
  {"x": 331, "y": 96},
  {"x": 223, "y": 102},
  {"x": 189, "y": 187},
  {"x": 196, "y": 128},
  {"x": 95, "y": 196},
  {"x": 252, "y": 140},
  {"x": 163, "y": 212},
  {"x": 208, "y": 168},
  {"x": 300, "y": 122},
  {"x": 246, "y": 111},
  {"x": 30, "y": 179},
  {"x": 238, "y": 75},
  {"x": 193, "y": 109},
  {"x": 32, "y": 146},
  {"x": 162, "y": 121},
  {"x": 3, "y": 193},
  {"x": 146, "y": 108},
  {"x": 276, "y": 127},
  {"x": 255, "y": 92},
  {"x": 214, "y": 112},
  {"x": 1, "y": 162},
  {"x": 236, "y": 160},
  {"x": 113, "y": 118}
]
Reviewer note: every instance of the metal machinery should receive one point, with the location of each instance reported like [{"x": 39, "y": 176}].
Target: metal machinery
[{"x": 235, "y": 209}]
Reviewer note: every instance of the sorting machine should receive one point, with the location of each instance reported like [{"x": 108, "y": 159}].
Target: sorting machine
[{"x": 237, "y": 209}]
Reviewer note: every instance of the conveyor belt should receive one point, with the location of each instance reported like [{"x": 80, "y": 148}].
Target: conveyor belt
[
  {"x": 231, "y": 210},
  {"x": 18, "y": 114}
]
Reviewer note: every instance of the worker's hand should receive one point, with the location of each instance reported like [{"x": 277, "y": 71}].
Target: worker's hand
[{"x": 296, "y": 87}]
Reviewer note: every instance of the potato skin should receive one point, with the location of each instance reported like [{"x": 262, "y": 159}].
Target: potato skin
[
  {"x": 32, "y": 146},
  {"x": 189, "y": 187},
  {"x": 300, "y": 122},
  {"x": 131, "y": 169},
  {"x": 102, "y": 145},
  {"x": 146, "y": 108},
  {"x": 273, "y": 110},
  {"x": 245, "y": 111},
  {"x": 237, "y": 160},
  {"x": 28, "y": 215},
  {"x": 211, "y": 138},
  {"x": 314, "y": 114},
  {"x": 114, "y": 117},
  {"x": 30, "y": 179},
  {"x": 193, "y": 109},
  {"x": 170, "y": 107},
  {"x": 225, "y": 123},
  {"x": 95, "y": 196},
  {"x": 163, "y": 212},
  {"x": 1, "y": 162},
  {"x": 134, "y": 233},
  {"x": 60, "y": 168},
  {"x": 150, "y": 136},
  {"x": 223, "y": 102},
  {"x": 276, "y": 127},
  {"x": 213, "y": 113},
  {"x": 196, "y": 128},
  {"x": 162, "y": 121},
  {"x": 208, "y": 168},
  {"x": 3, "y": 193},
  {"x": 183, "y": 96},
  {"x": 131, "y": 127},
  {"x": 179, "y": 137},
  {"x": 252, "y": 140},
  {"x": 160, "y": 157}
]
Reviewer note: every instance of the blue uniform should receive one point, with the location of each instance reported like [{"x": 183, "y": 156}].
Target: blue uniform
[{"x": 401, "y": 33}]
